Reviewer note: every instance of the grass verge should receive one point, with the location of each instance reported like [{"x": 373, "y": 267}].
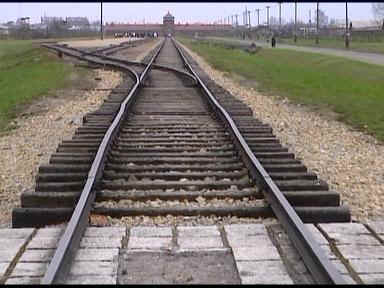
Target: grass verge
[
  {"x": 28, "y": 71},
  {"x": 350, "y": 88}
]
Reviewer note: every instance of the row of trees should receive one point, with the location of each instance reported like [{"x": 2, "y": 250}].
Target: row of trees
[{"x": 378, "y": 13}]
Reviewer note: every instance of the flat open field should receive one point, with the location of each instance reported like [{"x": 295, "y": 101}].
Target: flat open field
[
  {"x": 28, "y": 71},
  {"x": 351, "y": 89}
]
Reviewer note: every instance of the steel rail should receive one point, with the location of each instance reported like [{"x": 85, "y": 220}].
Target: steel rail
[
  {"x": 135, "y": 63},
  {"x": 323, "y": 271},
  {"x": 70, "y": 241}
]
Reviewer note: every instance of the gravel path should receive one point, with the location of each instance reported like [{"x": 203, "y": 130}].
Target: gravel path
[
  {"x": 97, "y": 42},
  {"x": 351, "y": 162},
  {"x": 371, "y": 58}
]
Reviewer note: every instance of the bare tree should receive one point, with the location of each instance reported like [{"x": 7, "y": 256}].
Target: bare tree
[
  {"x": 378, "y": 12},
  {"x": 323, "y": 19}
]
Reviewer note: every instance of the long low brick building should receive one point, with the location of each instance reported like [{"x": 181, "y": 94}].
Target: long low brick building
[{"x": 168, "y": 27}]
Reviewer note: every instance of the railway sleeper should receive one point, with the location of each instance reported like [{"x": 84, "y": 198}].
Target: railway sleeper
[
  {"x": 298, "y": 185},
  {"x": 64, "y": 168},
  {"x": 69, "y": 199}
]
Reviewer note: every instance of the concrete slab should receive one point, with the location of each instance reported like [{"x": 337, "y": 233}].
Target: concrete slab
[
  {"x": 97, "y": 254},
  {"x": 23, "y": 269},
  {"x": 3, "y": 268},
  {"x": 149, "y": 243},
  {"x": 90, "y": 268},
  {"x": 251, "y": 241},
  {"x": 36, "y": 255},
  {"x": 344, "y": 228},
  {"x": 361, "y": 252},
  {"x": 100, "y": 242},
  {"x": 94, "y": 280},
  {"x": 23, "y": 280},
  {"x": 267, "y": 279},
  {"x": 82, "y": 255},
  {"x": 14, "y": 244},
  {"x": 355, "y": 239},
  {"x": 198, "y": 231},
  {"x": 253, "y": 268},
  {"x": 9, "y": 255},
  {"x": 49, "y": 232},
  {"x": 368, "y": 266},
  {"x": 372, "y": 278},
  {"x": 43, "y": 243},
  {"x": 245, "y": 229},
  {"x": 150, "y": 232},
  {"x": 10, "y": 233},
  {"x": 105, "y": 232},
  {"x": 255, "y": 253},
  {"x": 200, "y": 242}
]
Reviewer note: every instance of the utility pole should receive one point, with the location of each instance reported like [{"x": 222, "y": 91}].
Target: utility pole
[
  {"x": 317, "y": 24},
  {"x": 232, "y": 19},
  {"x": 237, "y": 23},
  {"x": 279, "y": 15},
  {"x": 258, "y": 19},
  {"x": 101, "y": 21},
  {"x": 309, "y": 18},
  {"x": 246, "y": 16},
  {"x": 346, "y": 26},
  {"x": 268, "y": 16},
  {"x": 295, "y": 36},
  {"x": 249, "y": 19}
]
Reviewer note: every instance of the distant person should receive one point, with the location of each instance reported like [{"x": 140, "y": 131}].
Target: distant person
[{"x": 273, "y": 41}]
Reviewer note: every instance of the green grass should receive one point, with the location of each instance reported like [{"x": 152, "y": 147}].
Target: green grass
[
  {"x": 27, "y": 72},
  {"x": 354, "y": 45},
  {"x": 350, "y": 88}
]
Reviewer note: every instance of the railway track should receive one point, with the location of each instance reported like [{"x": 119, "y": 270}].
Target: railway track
[{"x": 177, "y": 144}]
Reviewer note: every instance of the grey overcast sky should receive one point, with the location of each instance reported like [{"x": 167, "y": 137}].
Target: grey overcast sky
[{"x": 184, "y": 12}]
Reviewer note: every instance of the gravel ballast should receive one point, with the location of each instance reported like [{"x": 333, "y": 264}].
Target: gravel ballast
[
  {"x": 350, "y": 161},
  {"x": 24, "y": 149}
]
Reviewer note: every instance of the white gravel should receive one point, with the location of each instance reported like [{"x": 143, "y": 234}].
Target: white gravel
[
  {"x": 183, "y": 220},
  {"x": 199, "y": 203},
  {"x": 350, "y": 161}
]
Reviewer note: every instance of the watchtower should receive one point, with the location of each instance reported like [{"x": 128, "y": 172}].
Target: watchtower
[{"x": 168, "y": 24}]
